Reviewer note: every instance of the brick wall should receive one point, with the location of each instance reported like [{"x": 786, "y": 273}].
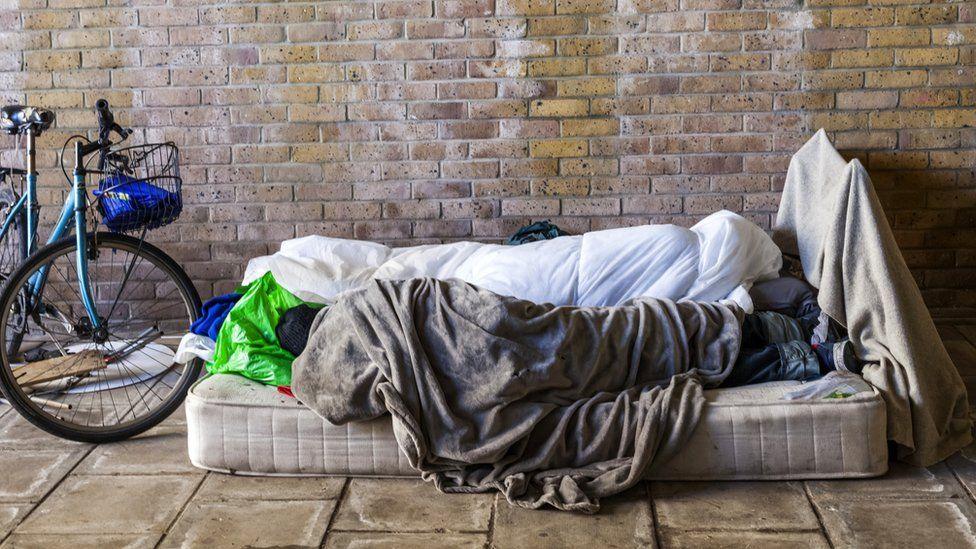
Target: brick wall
[{"x": 412, "y": 121}]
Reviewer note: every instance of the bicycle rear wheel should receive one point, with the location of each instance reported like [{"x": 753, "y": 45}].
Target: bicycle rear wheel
[{"x": 87, "y": 384}]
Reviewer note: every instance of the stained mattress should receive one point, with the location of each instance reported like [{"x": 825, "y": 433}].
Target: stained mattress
[{"x": 239, "y": 426}]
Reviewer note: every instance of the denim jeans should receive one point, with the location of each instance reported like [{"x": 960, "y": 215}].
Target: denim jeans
[{"x": 762, "y": 357}]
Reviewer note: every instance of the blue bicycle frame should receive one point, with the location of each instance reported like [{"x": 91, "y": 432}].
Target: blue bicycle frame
[{"x": 73, "y": 210}]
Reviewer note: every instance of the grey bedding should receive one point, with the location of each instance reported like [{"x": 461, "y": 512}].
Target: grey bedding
[
  {"x": 550, "y": 405},
  {"x": 832, "y": 219}
]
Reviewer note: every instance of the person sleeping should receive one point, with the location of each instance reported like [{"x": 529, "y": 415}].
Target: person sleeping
[{"x": 780, "y": 342}]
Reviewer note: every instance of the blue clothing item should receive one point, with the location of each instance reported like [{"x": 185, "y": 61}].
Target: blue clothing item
[
  {"x": 213, "y": 313},
  {"x": 129, "y": 204}
]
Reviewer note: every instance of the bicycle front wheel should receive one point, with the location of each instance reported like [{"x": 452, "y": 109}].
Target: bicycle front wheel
[{"x": 104, "y": 382}]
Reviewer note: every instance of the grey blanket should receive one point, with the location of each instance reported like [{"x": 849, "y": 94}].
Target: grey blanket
[
  {"x": 831, "y": 217},
  {"x": 550, "y": 405}
]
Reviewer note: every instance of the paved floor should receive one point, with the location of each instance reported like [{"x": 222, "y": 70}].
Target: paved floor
[{"x": 144, "y": 493}]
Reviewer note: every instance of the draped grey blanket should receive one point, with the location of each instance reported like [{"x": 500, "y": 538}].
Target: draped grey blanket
[
  {"x": 831, "y": 217},
  {"x": 550, "y": 405}
]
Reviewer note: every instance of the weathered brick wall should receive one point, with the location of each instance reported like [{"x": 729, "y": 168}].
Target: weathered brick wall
[{"x": 430, "y": 120}]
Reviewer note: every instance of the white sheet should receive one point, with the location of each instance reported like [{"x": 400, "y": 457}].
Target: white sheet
[{"x": 719, "y": 258}]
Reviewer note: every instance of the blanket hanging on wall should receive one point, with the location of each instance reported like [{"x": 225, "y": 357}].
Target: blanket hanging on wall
[
  {"x": 831, "y": 217},
  {"x": 550, "y": 405}
]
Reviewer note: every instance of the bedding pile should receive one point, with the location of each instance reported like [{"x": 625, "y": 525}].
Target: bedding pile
[
  {"x": 550, "y": 405},
  {"x": 830, "y": 217},
  {"x": 563, "y": 370},
  {"x": 718, "y": 258}
]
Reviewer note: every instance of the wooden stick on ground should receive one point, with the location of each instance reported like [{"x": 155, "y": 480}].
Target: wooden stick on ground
[{"x": 42, "y": 371}]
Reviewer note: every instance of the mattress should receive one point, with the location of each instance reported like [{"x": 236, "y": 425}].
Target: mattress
[{"x": 239, "y": 426}]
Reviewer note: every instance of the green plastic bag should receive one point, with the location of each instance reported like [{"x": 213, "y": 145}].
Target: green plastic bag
[{"x": 246, "y": 342}]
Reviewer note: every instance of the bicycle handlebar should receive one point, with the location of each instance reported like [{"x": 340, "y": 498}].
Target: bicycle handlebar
[
  {"x": 106, "y": 123},
  {"x": 4, "y": 172}
]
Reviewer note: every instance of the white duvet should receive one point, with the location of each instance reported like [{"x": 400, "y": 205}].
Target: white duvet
[{"x": 717, "y": 259}]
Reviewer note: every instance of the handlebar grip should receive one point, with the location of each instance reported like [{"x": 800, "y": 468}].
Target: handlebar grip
[{"x": 104, "y": 115}]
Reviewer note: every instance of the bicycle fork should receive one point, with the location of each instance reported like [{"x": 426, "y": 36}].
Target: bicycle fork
[{"x": 79, "y": 198}]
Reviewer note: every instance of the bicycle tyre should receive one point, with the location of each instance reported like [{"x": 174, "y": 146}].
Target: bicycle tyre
[
  {"x": 12, "y": 255},
  {"x": 27, "y": 408}
]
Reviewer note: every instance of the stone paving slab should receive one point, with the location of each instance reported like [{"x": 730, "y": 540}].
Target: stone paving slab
[
  {"x": 111, "y": 505},
  {"x": 379, "y": 540},
  {"x": 251, "y": 524},
  {"x": 30, "y": 474},
  {"x": 737, "y": 540},
  {"x": 220, "y": 487},
  {"x": 17, "y": 433},
  {"x": 407, "y": 505},
  {"x": 902, "y": 481},
  {"x": 623, "y": 521},
  {"x": 964, "y": 465},
  {"x": 945, "y": 524},
  {"x": 44, "y": 541},
  {"x": 11, "y": 515},
  {"x": 733, "y": 506},
  {"x": 161, "y": 450}
]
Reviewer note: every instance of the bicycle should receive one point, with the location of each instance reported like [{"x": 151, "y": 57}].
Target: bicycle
[{"x": 89, "y": 320}]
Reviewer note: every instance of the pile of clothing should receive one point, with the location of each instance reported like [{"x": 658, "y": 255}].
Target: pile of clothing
[{"x": 237, "y": 333}]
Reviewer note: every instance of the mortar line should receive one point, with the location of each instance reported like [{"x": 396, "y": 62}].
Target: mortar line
[
  {"x": 655, "y": 523},
  {"x": 490, "y": 538},
  {"x": 169, "y": 528},
  {"x": 816, "y": 512},
  {"x": 335, "y": 511}
]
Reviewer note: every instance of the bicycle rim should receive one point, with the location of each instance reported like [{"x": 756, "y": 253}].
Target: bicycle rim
[{"x": 97, "y": 385}]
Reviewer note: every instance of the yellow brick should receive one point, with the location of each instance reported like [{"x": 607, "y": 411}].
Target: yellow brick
[
  {"x": 586, "y": 127},
  {"x": 586, "y": 87},
  {"x": 955, "y": 118},
  {"x": 903, "y": 37},
  {"x": 525, "y": 7},
  {"x": 577, "y": 46},
  {"x": 50, "y": 19},
  {"x": 861, "y": 17},
  {"x": 862, "y": 58},
  {"x": 288, "y": 54},
  {"x": 954, "y": 36},
  {"x": 559, "y": 107},
  {"x": 895, "y": 78},
  {"x": 320, "y": 152},
  {"x": 558, "y": 148},
  {"x": 733, "y": 21},
  {"x": 556, "y": 26},
  {"x": 923, "y": 57},
  {"x": 558, "y": 67},
  {"x": 52, "y": 61},
  {"x": 58, "y": 99},
  {"x": 900, "y": 119},
  {"x": 319, "y": 72},
  {"x": 585, "y": 6}
]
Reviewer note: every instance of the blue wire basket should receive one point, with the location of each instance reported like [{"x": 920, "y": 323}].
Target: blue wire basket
[{"x": 142, "y": 188}]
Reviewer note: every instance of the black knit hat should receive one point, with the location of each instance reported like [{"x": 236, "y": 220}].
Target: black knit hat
[{"x": 293, "y": 328}]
